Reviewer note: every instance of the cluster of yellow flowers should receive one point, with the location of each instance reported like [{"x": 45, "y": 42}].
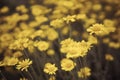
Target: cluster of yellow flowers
[
  {"x": 74, "y": 49},
  {"x": 57, "y": 36}
]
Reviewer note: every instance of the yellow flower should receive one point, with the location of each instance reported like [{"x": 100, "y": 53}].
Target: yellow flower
[
  {"x": 67, "y": 64},
  {"x": 115, "y": 45},
  {"x": 33, "y": 23},
  {"x": 81, "y": 16},
  {"x": 39, "y": 10},
  {"x": 41, "y": 19},
  {"x": 74, "y": 49},
  {"x": 64, "y": 45},
  {"x": 37, "y": 33},
  {"x": 97, "y": 7},
  {"x": 84, "y": 72},
  {"x": 22, "y": 9},
  {"x": 17, "y": 54},
  {"x": 73, "y": 52},
  {"x": 98, "y": 29},
  {"x": 42, "y": 45},
  {"x": 50, "y": 68},
  {"x": 57, "y": 23},
  {"x": 4, "y": 9},
  {"x": 24, "y": 64},
  {"x": 52, "y": 34},
  {"x": 69, "y": 18},
  {"x": 84, "y": 47},
  {"x": 106, "y": 40},
  {"x": 109, "y": 57},
  {"x": 65, "y": 30},
  {"x": 51, "y": 52},
  {"x": 12, "y": 61},
  {"x": 65, "y": 3},
  {"x": 24, "y": 17},
  {"x": 36, "y": 10},
  {"x": 20, "y": 44}
]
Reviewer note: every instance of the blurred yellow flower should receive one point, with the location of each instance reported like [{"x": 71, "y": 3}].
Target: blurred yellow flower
[
  {"x": 109, "y": 57},
  {"x": 50, "y": 52},
  {"x": 57, "y": 23},
  {"x": 84, "y": 72},
  {"x": 4, "y": 9},
  {"x": 41, "y": 19},
  {"x": 50, "y": 68},
  {"x": 12, "y": 61},
  {"x": 52, "y": 34},
  {"x": 22, "y": 9},
  {"x": 70, "y": 18},
  {"x": 115, "y": 45},
  {"x": 42, "y": 45},
  {"x": 17, "y": 54}
]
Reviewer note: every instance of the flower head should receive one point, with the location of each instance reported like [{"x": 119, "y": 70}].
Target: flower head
[
  {"x": 50, "y": 68},
  {"x": 109, "y": 57},
  {"x": 67, "y": 64},
  {"x": 12, "y": 61},
  {"x": 24, "y": 64},
  {"x": 98, "y": 29},
  {"x": 84, "y": 72}
]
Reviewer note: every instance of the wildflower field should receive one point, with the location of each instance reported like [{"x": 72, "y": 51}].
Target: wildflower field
[{"x": 59, "y": 39}]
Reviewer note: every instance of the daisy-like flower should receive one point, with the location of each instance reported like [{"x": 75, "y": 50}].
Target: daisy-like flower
[
  {"x": 84, "y": 72},
  {"x": 23, "y": 65},
  {"x": 12, "y": 61},
  {"x": 98, "y": 29},
  {"x": 84, "y": 47},
  {"x": 69, "y": 18},
  {"x": 57, "y": 23},
  {"x": 65, "y": 44},
  {"x": 42, "y": 45},
  {"x": 67, "y": 64},
  {"x": 50, "y": 68}
]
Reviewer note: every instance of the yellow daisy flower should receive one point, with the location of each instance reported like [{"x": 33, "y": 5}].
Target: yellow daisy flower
[
  {"x": 67, "y": 64},
  {"x": 98, "y": 29},
  {"x": 24, "y": 64},
  {"x": 50, "y": 68}
]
